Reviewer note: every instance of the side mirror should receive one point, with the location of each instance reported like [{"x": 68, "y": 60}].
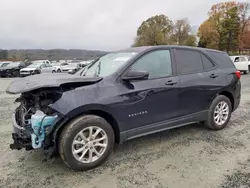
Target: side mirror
[{"x": 135, "y": 75}]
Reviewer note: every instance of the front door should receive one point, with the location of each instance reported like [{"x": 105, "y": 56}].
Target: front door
[
  {"x": 148, "y": 102},
  {"x": 47, "y": 68}
]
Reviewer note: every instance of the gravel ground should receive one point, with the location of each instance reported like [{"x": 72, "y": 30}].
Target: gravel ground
[{"x": 190, "y": 156}]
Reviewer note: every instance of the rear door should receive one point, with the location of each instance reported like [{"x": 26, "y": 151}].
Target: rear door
[
  {"x": 47, "y": 68},
  {"x": 199, "y": 81},
  {"x": 153, "y": 100}
]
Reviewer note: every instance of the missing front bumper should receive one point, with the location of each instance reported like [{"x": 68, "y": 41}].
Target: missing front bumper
[
  {"x": 20, "y": 143},
  {"x": 20, "y": 136}
]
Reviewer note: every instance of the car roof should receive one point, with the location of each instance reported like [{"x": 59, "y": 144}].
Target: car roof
[{"x": 148, "y": 48}]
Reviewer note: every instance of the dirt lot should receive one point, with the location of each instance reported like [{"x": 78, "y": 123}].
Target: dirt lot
[{"x": 190, "y": 156}]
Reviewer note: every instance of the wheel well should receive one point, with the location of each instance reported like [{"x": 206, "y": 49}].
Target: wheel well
[
  {"x": 109, "y": 118},
  {"x": 230, "y": 96}
]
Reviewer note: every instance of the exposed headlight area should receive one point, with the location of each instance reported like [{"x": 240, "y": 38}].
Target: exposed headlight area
[{"x": 33, "y": 119}]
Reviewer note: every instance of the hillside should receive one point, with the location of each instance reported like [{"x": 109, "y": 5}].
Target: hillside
[{"x": 54, "y": 54}]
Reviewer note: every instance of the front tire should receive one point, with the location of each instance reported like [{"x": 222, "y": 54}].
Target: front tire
[
  {"x": 86, "y": 142},
  {"x": 219, "y": 113}
]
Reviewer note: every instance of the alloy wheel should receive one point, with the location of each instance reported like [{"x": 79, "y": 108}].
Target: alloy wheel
[
  {"x": 221, "y": 113},
  {"x": 89, "y": 144}
]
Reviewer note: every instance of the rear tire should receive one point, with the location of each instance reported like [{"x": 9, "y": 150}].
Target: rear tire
[
  {"x": 78, "y": 145},
  {"x": 219, "y": 113},
  {"x": 58, "y": 71},
  {"x": 53, "y": 71}
]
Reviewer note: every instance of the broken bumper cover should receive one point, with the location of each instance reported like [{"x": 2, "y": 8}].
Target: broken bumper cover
[{"x": 20, "y": 136}]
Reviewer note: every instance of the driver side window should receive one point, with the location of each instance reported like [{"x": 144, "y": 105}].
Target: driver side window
[
  {"x": 156, "y": 63},
  {"x": 237, "y": 59}
]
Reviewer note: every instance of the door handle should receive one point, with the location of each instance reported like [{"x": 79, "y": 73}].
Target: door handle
[
  {"x": 214, "y": 75},
  {"x": 171, "y": 82}
]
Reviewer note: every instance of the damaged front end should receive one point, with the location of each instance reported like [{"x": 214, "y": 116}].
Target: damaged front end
[{"x": 33, "y": 120}]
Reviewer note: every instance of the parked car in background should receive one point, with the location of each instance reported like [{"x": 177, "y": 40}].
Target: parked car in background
[
  {"x": 82, "y": 70},
  {"x": 34, "y": 68},
  {"x": 4, "y": 63},
  {"x": 84, "y": 63},
  {"x": 12, "y": 69},
  {"x": 241, "y": 63},
  {"x": 122, "y": 96},
  {"x": 71, "y": 68},
  {"x": 57, "y": 67},
  {"x": 48, "y": 68}
]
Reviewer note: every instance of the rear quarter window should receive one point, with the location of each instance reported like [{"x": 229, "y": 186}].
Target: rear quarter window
[{"x": 222, "y": 59}]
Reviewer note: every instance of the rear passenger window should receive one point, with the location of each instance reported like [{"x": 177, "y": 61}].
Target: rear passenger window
[
  {"x": 207, "y": 64},
  {"x": 188, "y": 61}
]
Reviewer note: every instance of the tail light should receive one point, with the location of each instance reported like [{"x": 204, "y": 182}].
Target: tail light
[{"x": 238, "y": 74}]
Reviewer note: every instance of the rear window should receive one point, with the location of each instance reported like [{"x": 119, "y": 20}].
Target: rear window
[{"x": 222, "y": 59}]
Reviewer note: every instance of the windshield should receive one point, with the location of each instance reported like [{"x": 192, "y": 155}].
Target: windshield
[
  {"x": 108, "y": 64},
  {"x": 34, "y": 65}
]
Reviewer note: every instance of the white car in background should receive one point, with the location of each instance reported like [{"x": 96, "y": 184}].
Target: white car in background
[
  {"x": 35, "y": 68},
  {"x": 241, "y": 63},
  {"x": 71, "y": 68},
  {"x": 58, "y": 66}
]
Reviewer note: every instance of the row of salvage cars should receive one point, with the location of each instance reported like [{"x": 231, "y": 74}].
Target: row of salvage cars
[{"x": 16, "y": 69}]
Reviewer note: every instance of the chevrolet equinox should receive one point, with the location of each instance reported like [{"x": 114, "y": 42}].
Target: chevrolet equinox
[{"x": 121, "y": 96}]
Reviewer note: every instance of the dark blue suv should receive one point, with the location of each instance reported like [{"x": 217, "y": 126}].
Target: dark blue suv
[{"x": 121, "y": 96}]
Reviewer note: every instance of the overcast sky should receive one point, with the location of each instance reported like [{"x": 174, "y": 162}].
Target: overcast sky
[{"x": 86, "y": 24}]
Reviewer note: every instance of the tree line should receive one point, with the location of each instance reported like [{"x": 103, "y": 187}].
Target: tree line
[
  {"x": 227, "y": 28},
  {"x": 160, "y": 30},
  {"x": 3, "y": 54}
]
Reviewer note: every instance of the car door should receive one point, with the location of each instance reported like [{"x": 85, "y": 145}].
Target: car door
[
  {"x": 148, "y": 102},
  {"x": 244, "y": 63},
  {"x": 48, "y": 68},
  {"x": 43, "y": 68},
  {"x": 199, "y": 81}
]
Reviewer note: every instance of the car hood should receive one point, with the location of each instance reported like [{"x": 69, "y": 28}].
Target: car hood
[
  {"x": 48, "y": 81},
  {"x": 29, "y": 69}
]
